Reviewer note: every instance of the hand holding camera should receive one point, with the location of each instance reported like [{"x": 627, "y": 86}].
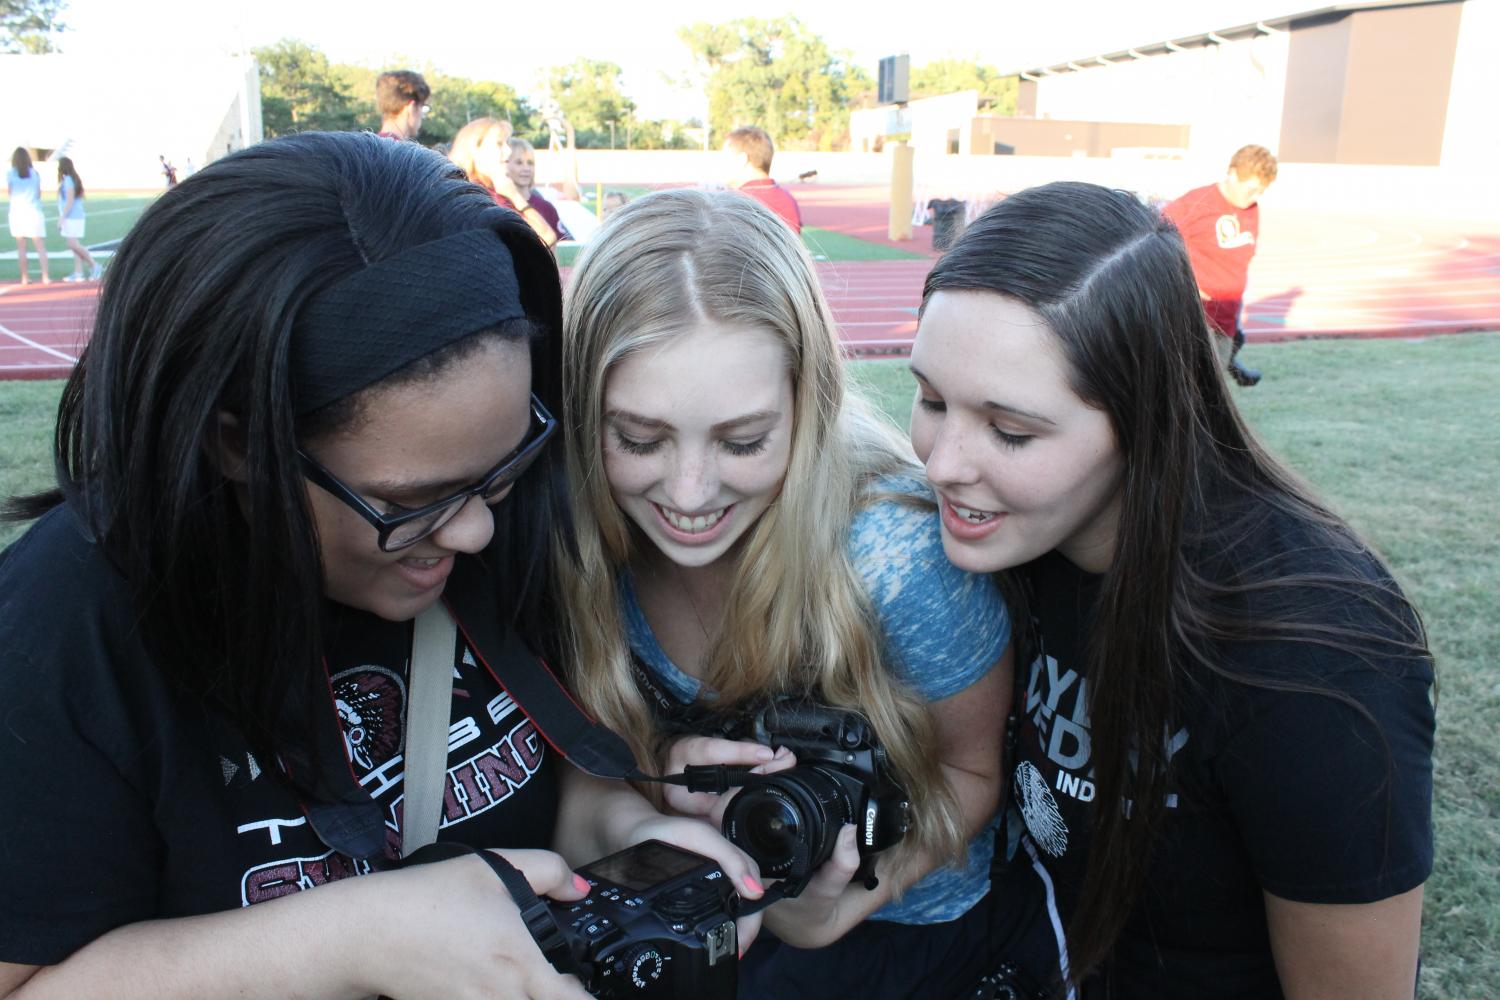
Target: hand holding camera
[
  {"x": 657, "y": 922},
  {"x": 789, "y": 818},
  {"x": 706, "y": 751}
]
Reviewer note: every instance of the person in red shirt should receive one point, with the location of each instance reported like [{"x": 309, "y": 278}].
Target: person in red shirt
[
  {"x": 750, "y": 151},
  {"x": 401, "y": 98},
  {"x": 1220, "y": 224},
  {"x": 519, "y": 193}
]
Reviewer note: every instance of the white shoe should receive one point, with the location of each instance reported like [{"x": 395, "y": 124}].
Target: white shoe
[
  {"x": 96, "y": 273},
  {"x": 74, "y": 277}
]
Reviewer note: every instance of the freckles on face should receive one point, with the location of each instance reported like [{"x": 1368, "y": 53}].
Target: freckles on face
[
  {"x": 1021, "y": 464},
  {"x": 697, "y": 437}
]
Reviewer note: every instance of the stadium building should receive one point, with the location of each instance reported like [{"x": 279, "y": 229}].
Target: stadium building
[{"x": 1384, "y": 82}]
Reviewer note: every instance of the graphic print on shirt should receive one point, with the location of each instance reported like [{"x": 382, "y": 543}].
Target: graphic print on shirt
[
  {"x": 371, "y": 703},
  {"x": 499, "y": 755},
  {"x": 1229, "y": 234},
  {"x": 1057, "y": 717}
]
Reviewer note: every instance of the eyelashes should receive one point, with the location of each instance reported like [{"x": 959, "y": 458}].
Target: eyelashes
[
  {"x": 739, "y": 449},
  {"x": 744, "y": 449},
  {"x": 630, "y": 446},
  {"x": 1007, "y": 441}
]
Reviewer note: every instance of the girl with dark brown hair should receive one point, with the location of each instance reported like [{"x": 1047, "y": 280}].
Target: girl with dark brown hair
[{"x": 1222, "y": 746}]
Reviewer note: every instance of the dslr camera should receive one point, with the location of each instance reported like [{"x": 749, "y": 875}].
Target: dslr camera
[
  {"x": 789, "y": 821},
  {"x": 656, "y": 923}
]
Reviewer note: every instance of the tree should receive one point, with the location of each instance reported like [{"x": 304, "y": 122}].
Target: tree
[
  {"x": 28, "y": 25},
  {"x": 592, "y": 98},
  {"x": 300, "y": 92},
  {"x": 947, "y": 76},
  {"x": 455, "y": 101},
  {"x": 777, "y": 74}
]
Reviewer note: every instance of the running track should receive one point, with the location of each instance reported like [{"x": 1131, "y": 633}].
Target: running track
[{"x": 1314, "y": 276}]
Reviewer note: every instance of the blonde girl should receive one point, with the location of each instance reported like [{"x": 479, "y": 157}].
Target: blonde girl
[{"x": 747, "y": 529}]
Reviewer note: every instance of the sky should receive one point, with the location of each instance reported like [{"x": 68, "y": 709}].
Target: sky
[{"x": 515, "y": 44}]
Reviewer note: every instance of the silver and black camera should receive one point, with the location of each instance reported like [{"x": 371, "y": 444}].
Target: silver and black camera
[
  {"x": 789, "y": 821},
  {"x": 656, "y": 923}
]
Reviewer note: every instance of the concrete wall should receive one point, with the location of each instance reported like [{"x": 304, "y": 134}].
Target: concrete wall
[
  {"x": 1048, "y": 137},
  {"x": 1371, "y": 86},
  {"x": 1314, "y": 110},
  {"x": 1228, "y": 94},
  {"x": 1471, "y": 135},
  {"x": 932, "y": 122}
]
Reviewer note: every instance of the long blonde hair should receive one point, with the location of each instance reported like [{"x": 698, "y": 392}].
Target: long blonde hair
[
  {"x": 797, "y": 617},
  {"x": 468, "y": 140}
]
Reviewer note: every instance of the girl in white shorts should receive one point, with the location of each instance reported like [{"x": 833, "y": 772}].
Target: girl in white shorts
[
  {"x": 70, "y": 220},
  {"x": 24, "y": 186}
]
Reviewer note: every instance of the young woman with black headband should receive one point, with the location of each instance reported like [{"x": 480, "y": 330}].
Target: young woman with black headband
[{"x": 271, "y": 459}]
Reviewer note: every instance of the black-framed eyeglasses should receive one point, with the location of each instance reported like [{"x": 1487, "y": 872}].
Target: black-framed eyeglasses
[{"x": 397, "y": 531}]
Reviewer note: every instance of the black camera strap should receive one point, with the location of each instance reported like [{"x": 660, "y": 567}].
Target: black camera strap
[{"x": 534, "y": 911}]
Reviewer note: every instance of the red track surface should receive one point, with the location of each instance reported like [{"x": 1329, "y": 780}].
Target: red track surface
[{"x": 1314, "y": 276}]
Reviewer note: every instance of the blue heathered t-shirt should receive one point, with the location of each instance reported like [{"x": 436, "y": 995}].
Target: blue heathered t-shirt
[
  {"x": 943, "y": 630},
  {"x": 76, "y": 210}
]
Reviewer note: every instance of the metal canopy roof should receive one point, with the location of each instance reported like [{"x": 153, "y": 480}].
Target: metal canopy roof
[{"x": 1219, "y": 36}]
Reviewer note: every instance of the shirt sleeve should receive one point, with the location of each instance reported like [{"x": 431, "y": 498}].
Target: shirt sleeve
[
  {"x": 943, "y": 628},
  {"x": 1332, "y": 791},
  {"x": 68, "y": 879}
]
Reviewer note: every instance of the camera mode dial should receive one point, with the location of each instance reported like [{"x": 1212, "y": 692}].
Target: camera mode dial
[{"x": 645, "y": 966}]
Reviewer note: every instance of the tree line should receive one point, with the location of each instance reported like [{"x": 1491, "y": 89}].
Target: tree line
[{"x": 771, "y": 72}]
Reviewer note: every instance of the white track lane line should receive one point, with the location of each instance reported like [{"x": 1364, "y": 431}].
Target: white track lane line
[{"x": 40, "y": 347}]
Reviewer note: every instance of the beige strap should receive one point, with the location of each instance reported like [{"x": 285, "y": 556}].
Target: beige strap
[{"x": 429, "y": 701}]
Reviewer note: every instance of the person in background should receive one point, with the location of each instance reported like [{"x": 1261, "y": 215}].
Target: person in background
[
  {"x": 750, "y": 151},
  {"x": 23, "y": 182},
  {"x": 70, "y": 221},
  {"x": 523, "y": 196},
  {"x": 1220, "y": 223},
  {"x": 1222, "y": 768},
  {"x": 401, "y": 97},
  {"x": 168, "y": 171},
  {"x": 613, "y": 202}
]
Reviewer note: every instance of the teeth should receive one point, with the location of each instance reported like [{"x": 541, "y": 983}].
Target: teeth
[
  {"x": 691, "y": 525},
  {"x": 423, "y": 563},
  {"x": 973, "y": 516}
]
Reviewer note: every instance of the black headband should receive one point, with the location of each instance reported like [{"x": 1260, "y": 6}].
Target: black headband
[{"x": 405, "y": 307}]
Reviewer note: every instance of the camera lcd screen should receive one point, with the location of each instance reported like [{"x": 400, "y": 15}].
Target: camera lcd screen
[{"x": 645, "y": 865}]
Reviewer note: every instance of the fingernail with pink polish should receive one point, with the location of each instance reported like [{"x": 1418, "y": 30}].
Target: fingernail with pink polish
[
  {"x": 580, "y": 883},
  {"x": 753, "y": 885}
]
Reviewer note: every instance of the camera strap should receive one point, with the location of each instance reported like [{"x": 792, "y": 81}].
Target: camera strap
[{"x": 534, "y": 911}]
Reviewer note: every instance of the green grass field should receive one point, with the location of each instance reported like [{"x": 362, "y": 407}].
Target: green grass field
[{"x": 108, "y": 218}]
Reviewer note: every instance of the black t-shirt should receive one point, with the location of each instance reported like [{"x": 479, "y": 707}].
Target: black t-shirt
[
  {"x": 122, "y": 799},
  {"x": 1290, "y": 793}
]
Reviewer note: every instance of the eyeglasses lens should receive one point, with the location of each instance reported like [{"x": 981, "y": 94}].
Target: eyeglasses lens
[{"x": 414, "y": 531}]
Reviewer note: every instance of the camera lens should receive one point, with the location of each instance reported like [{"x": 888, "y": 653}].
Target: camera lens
[
  {"x": 788, "y": 822},
  {"x": 772, "y": 829}
]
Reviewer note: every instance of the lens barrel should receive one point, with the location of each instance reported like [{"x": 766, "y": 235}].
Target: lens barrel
[{"x": 789, "y": 822}]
